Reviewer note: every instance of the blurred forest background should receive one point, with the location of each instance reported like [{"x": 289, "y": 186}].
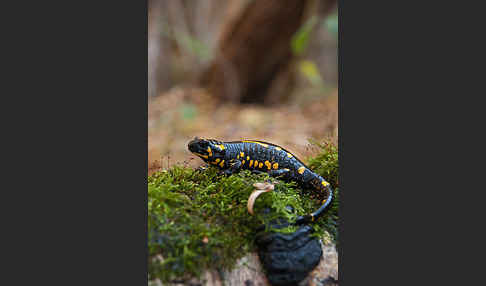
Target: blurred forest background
[{"x": 237, "y": 69}]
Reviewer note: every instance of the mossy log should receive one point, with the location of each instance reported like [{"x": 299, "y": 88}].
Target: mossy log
[
  {"x": 199, "y": 228},
  {"x": 248, "y": 271}
]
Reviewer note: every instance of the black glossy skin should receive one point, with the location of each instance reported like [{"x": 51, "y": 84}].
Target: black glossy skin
[{"x": 228, "y": 157}]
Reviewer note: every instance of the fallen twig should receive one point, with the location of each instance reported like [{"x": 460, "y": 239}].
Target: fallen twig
[{"x": 260, "y": 189}]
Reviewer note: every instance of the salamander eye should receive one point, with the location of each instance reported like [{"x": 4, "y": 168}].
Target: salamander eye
[{"x": 198, "y": 146}]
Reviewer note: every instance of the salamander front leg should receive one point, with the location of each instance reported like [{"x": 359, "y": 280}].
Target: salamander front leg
[
  {"x": 234, "y": 168},
  {"x": 202, "y": 168}
]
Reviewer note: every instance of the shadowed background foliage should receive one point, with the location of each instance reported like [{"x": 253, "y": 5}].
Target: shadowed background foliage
[{"x": 240, "y": 69}]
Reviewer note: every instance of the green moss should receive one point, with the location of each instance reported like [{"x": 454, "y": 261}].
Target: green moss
[
  {"x": 326, "y": 164},
  {"x": 199, "y": 220}
]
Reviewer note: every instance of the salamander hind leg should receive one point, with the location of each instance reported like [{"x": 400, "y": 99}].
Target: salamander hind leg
[
  {"x": 325, "y": 204},
  {"x": 318, "y": 183},
  {"x": 280, "y": 173}
]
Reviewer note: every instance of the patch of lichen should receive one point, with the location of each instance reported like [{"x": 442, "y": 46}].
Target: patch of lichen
[{"x": 199, "y": 220}]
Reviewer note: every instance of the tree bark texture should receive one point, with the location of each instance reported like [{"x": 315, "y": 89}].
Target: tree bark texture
[
  {"x": 253, "y": 48},
  {"x": 158, "y": 48}
]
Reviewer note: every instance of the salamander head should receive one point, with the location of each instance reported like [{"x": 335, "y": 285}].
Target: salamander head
[{"x": 206, "y": 148}]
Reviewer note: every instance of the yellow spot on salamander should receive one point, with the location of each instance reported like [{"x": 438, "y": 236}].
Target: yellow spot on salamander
[
  {"x": 260, "y": 165},
  {"x": 203, "y": 156},
  {"x": 256, "y": 164},
  {"x": 251, "y": 163},
  {"x": 242, "y": 154},
  {"x": 221, "y": 164},
  {"x": 301, "y": 170},
  {"x": 221, "y": 146},
  {"x": 325, "y": 184},
  {"x": 289, "y": 155},
  {"x": 217, "y": 160},
  {"x": 242, "y": 162},
  {"x": 269, "y": 166},
  {"x": 210, "y": 152},
  {"x": 247, "y": 158},
  {"x": 275, "y": 166},
  {"x": 238, "y": 157},
  {"x": 256, "y": 142}
]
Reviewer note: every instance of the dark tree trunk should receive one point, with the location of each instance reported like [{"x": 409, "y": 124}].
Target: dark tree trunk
[
  {"x": 254, "y": 47},
  {"x": 158, "y": 49}
]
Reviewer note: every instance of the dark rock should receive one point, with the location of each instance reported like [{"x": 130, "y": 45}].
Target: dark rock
[{"x": 288, "y": 258}]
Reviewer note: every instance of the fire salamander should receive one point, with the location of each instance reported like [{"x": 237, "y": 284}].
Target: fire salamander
[{"x": 259, "y": 156}]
